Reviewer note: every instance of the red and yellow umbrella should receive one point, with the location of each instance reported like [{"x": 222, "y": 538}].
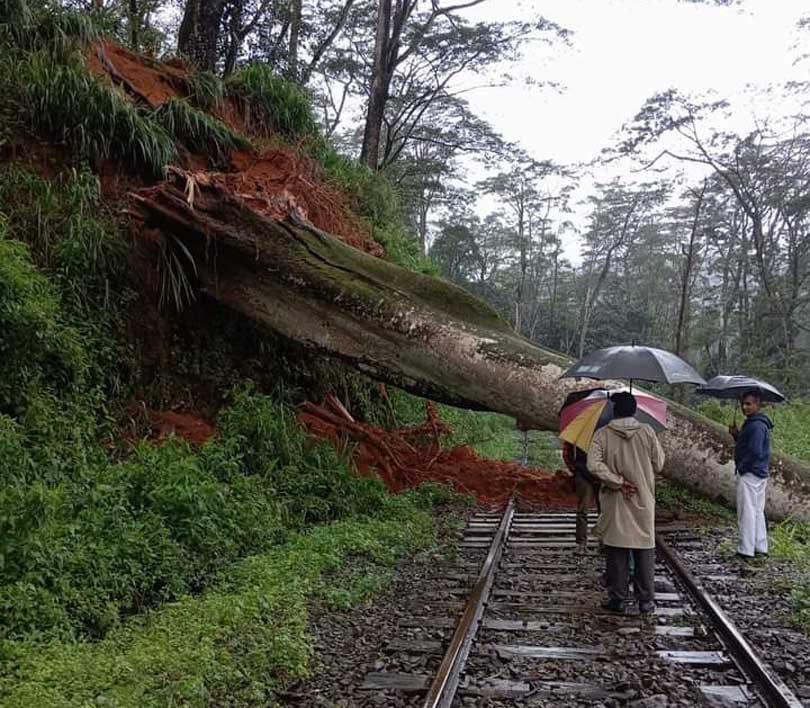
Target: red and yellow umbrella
[{"x": 581, "y": 419}]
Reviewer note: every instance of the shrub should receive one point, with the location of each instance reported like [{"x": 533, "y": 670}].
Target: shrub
[
  {"x": 199, "y": 131},
  {"x": 38, "y": 350},
  {"x": 91, "y": 542},
  {"x": 206, "y": 90},
  {"x": 45, "y": 26},
  {"x": 60, "y": 31},
  {"x": 272, "y": 102},
  {"x": 63, "y": 223},
  {"x": 313, "y": 481},
  {"x": 236, "y": 644},
  {"x": 85, "y": 258},
  {"x": 63, "y": 100}
]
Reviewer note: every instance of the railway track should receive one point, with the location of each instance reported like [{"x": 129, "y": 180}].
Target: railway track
[{"x": 517, "y": 621}]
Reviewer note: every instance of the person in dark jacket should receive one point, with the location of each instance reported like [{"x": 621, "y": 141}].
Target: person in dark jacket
[
  {"x": 752, "y": 453},
  {"x": 586, "y": 489},
  {"x": 585, "y": 486}
]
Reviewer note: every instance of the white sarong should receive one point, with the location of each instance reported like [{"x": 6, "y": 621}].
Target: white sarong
[{"x": 751, "y": 492}]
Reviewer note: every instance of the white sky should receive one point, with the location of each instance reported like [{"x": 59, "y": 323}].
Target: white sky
[{"x": 622, "y": 52}]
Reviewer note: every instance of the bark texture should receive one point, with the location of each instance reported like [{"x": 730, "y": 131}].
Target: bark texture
[{"x": 414, "y": 331}]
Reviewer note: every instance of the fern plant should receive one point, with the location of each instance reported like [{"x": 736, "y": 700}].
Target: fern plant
[
  {"x": 271, "y": 102},
  {"x": 199, "y": 131},
  {"x": 65, "y": 101},
  {"x": 206, "y": 90}
]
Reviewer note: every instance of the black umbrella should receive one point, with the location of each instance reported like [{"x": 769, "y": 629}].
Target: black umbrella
[
  {"x": 736, "y": 386},
  {"x": 635, "y": 363}
]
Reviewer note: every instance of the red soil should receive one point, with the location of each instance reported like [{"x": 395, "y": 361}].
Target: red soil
[
  {"x": 407, "y": 457},
  {"x": 279, "y": 180},
  {"x": 273, "y": 181},
  {"x": 184, "y": 425},
  {"x": 155, "y": 82}
]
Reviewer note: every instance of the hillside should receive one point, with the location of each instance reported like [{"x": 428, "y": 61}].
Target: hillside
[{"x": 165, "y": 520}]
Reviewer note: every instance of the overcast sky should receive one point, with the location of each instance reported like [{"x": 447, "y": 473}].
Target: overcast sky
[{"x": 622, "y": 52}]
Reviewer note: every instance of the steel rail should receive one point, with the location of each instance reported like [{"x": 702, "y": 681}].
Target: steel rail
[
  {"x": 443, "y": 689},
  {"x": 774, "y": 690}
]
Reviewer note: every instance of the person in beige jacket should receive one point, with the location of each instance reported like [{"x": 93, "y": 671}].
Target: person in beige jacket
[{"x": 624, "y": 456}]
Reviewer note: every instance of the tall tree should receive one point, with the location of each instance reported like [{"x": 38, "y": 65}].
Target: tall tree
[
  {"x": 768, "y": 174},
  {"x": 424, "y": 51},
  {"x": 523, "y": 191},
  {"x": 690, "y": 251},
  {"x": 200, "y": 31}
]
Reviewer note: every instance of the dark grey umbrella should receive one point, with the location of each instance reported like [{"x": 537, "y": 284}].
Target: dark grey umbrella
[
  {"x": 635, "y": 363},
  {"x": 736, "y": 386}
]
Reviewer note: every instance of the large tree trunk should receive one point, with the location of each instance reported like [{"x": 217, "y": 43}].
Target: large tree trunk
[
  {"x": 380, "y": 82},
  {"x": 199, "y": 31},
  {"x": 295, "y": 29},
  {"x": 420, "y": 333}
]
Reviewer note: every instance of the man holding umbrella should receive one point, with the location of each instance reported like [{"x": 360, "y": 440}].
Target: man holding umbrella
[
  {"x": 752, "y": 454},
  {"x": 625, "y": 456},
  {"x": 583, "y": 413}
]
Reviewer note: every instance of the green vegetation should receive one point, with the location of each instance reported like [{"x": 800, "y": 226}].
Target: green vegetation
[
  {"x": 52, "y": 28},
  {"x": 173, "y": 575},
  {"x": 199, "y": 131},
  {"x": 108, "y": 540},
  {"x": 801, "y": 607},
  {"x": 63, "y": 100},
  {"x": 791, "y": 432},
  {"x": 790, "y": 541},
  {"x": 206, "y": 90},
  {"x": 671, "y": 496},
  {"x": 236, "y": 643},
  {"x": 272, "y": 102}
]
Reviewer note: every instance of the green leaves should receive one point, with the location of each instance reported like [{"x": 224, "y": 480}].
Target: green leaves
[
  {"x": 38, "y": 349},
  {"x": 63, "y": 100},
  {"x": 272, "y": 104},
  {"x": 199, "y": 131},
  {"x": 237, "y": 643}
]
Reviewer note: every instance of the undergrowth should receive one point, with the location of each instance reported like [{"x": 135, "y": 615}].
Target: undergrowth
[
  {"x": 206, "y": 90},
  {"x": 272, "y": 103},
  {"x": 673, "y": 497},
  {"x": 237, "y": 643},
  {"x": 790, "y": 541},
  {"x": 791, "y": 431},
  {"x": 198, "y": 130},
  {"x": 46, "y": 26}
]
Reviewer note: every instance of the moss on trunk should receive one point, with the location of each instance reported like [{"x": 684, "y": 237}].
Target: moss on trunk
[{"x": 414, "y": 331}]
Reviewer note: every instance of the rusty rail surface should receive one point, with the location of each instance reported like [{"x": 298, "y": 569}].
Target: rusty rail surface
[
  {"x": 443, "y": 689},
  {"x": 775, "y": 692}
]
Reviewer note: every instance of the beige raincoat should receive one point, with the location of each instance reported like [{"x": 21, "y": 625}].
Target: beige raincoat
[{"x": 626, "y": 450}]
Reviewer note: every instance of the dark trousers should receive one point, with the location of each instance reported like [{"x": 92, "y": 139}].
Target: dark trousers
[
  {"x": 586, "y": 491},
  {"x": 618, "y": 573}
]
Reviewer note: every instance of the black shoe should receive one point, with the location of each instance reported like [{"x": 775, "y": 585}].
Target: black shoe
[
  {"x": 616, "y": 606},
  {"x": 646, "y": 608},
  {"x": 761, "y": 554},
  {"x": 742, "y": 556}
]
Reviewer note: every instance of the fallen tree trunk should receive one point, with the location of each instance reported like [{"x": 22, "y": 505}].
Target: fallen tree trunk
[{"x": 410, "y": 330}]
